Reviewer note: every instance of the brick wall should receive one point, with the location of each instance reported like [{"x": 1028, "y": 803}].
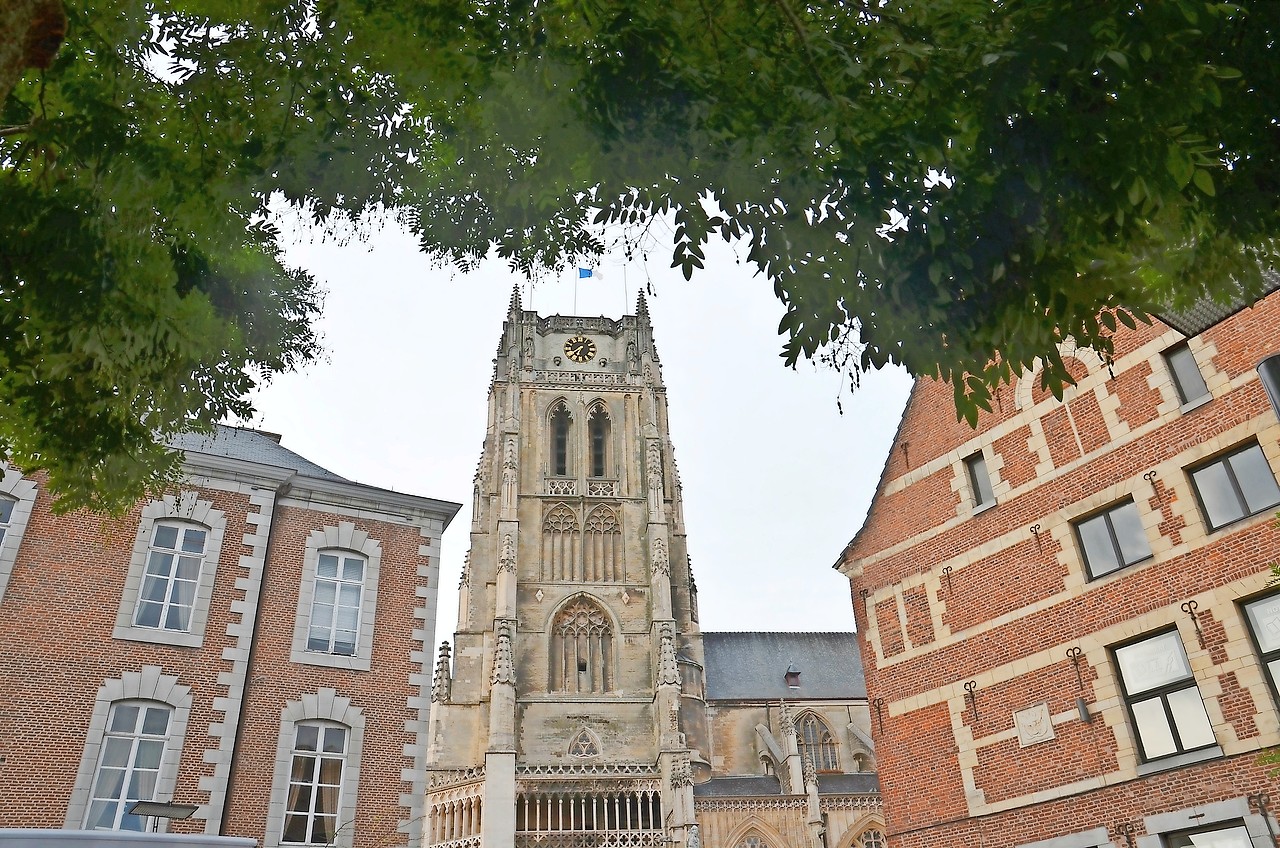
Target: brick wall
[{"x": 997, "y": 597}]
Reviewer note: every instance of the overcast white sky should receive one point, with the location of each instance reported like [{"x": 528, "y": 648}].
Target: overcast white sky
[{"x": 776, "y": 480}]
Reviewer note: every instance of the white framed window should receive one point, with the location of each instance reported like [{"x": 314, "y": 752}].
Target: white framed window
[
  {"x": 337, "y": 598},
  {"x": 169, "y": 585},
  {"x": 1187, "y": 378},
  {"x": 817, "y": 745},
  {"x": 1263, "y": 617},
  {"x": 979, "y": 480},
  {"x": 175, "y": 558},
  {"x": 128, "y": 765},
  {"x": 317, "y": 771},
  {"x": 132, "y": 747},
  {"x": 1163, "y": 699},
  {"x": 1235, "y": 486},
  {"x": 17, "y": 497},
  {"x": 1233, "y": 835},
  {"x": 335, "y": 605},
  {"x": 315, "y": 783},
  {"x": 1112, "y": 539}
]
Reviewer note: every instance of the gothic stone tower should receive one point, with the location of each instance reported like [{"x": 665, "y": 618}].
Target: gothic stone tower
[{"x": 574, "y": 712}]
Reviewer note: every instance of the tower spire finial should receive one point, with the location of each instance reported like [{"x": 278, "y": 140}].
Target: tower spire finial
[
  {"x": 642, "y": 307},
  {"x": 515, "y": 307}
]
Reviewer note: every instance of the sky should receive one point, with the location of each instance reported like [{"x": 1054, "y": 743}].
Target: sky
[{"x": 776, "y": 480}]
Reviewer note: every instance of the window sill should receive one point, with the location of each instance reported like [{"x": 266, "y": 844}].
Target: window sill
[
  {"x": 1174, "y": 761},
  {"x": 159, "y": 636},
  {"x": 984, "y": 507},
  {"x": 1195, "y": 404},
  {"x": 360, "y": 661}
]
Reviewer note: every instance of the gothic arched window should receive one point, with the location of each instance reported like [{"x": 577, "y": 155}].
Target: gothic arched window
[
  {"x": 581, "y": 649},
  {"x": 871, "y": 839},
  {"x": 560, "y": 555},
  {"x": 753, "y": 840},
  {"x": 598, "y": 440},
  {"x": 561, "y": 422},
  {"x": 817, "y": 744},
  {"x": 602, "y": 546}
]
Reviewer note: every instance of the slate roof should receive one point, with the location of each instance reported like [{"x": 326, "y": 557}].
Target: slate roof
[
  {"x": 723, "y": 787},
  {"x": 1204, "y": 313},
  {"x": 862, "y": 783},
  {"x": 752, "y": 666},
  {"x": 251, "y": 446}
]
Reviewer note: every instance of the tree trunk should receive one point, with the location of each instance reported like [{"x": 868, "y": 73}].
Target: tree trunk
[{"x": 30, "y": 33}]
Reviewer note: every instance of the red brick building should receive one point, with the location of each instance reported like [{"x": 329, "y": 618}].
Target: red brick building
[
  {"x": 253, "y": 644},
  {"x": 1070, "y": 636}
]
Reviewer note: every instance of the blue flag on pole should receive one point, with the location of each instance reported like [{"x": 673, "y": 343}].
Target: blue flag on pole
[{"x": 584, "y": 272}]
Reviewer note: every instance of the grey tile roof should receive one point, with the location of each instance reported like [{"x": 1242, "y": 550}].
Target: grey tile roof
[
  {"x": 251, "y": 446},
  {"x": 862, "y": 783},
  {"x": 1204, "y": 313},
  {"x": 722, "y": 787},
  {"x": 752, "y": 666}
]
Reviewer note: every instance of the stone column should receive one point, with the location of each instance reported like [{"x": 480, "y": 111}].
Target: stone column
[
  {"x": 791, "y": 765},
  {"x": 500, "y": 759}
]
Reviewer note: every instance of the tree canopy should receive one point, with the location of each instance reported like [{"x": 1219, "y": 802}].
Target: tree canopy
[{"x": 953, "y": 185}]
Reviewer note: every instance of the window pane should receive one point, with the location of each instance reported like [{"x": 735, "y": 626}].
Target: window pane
[
  {"x": 349, "y": 596},
  {"x": 154, "y": 588},
  {"x": 1255, "y": 479},
  {"x": 124, "y": 718},
  {"x": 142, "y": 786},
  {"x": 1224, "y": 837},
  {"x": 1264, "y": 619},
  {"x": 179, "y": 618},
  {"x": 324, "y": 828},
  {"x": 1219, "y": 498},
  {"x": 1152, "y": 662},
  {"x": 137, "y": 824},
  {"x": 328, "y": 566},
  {"x": 102, "y": 815},
  {"x": 318, "y": 640},
  {"x": 1129, "y": 533},
  {"x": 166, "y": 536},
  {"x": 155, "y": 721},
  {"x": 1099, "y": 553},
  {"x": 160, "y": 564},
  {"x": 1186, "y": 374},
  {"x": 303, "y": 769},
  {"x": 1190, "y": 718},
  {"x": 335, "y": 739},
  {"x": 980, "y": 479},
  {"x": 308, "y": 734},
  {"x": 110, "y": 782},
  {"x": 193, "y": 541},
  {"x": 188, "y": 568},
  {"x": 1153, "y": 728},
  {"x": 330, "y": 774},
  {"x": 295, "y": 829},
  {"x": 149, "y": 614},
  {"x": 353, "y": 569},
  {"x": 149, "y": 751},
  {"x": 6, "y": 511},
  {"x": 347, "y": 619},
  {"x": 326, "y": 591}
]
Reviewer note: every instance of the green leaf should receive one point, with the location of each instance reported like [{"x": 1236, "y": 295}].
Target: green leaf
[{"x": 1204, "y": 181}]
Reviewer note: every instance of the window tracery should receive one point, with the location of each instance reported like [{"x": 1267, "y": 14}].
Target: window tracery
[
  {"x": 602, "y": 546},
  {"x": 561, "y": 424},
  {"x": 560, "y": 555},
  {"x": 598, "y": 440},
  {"x": 582, "y": 649},
  {"x": 817, "y": 745}
]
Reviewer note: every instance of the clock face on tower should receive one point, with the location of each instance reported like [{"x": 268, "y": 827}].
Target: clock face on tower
[{"x": 580, "y": 349}]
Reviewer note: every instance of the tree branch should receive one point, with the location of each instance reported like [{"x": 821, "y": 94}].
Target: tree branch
[
  {"x": 804, "y": 43},
  {"x": 5, "y": 132}
]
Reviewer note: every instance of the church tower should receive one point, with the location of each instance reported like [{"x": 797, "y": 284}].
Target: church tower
[{"x": 570, "y": 709}]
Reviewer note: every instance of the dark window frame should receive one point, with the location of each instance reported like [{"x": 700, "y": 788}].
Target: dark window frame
[
  {"x": 983, "y": 496},
  {"x": 561, "y": 424},
  {"x": 1169, "y": 355},
  {"x": 1105, "y": 512},
  {"x": 1224, "y": 459},
  {"x": 1162, "y": 692},
  {"x": 1264, "y": 657}
]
